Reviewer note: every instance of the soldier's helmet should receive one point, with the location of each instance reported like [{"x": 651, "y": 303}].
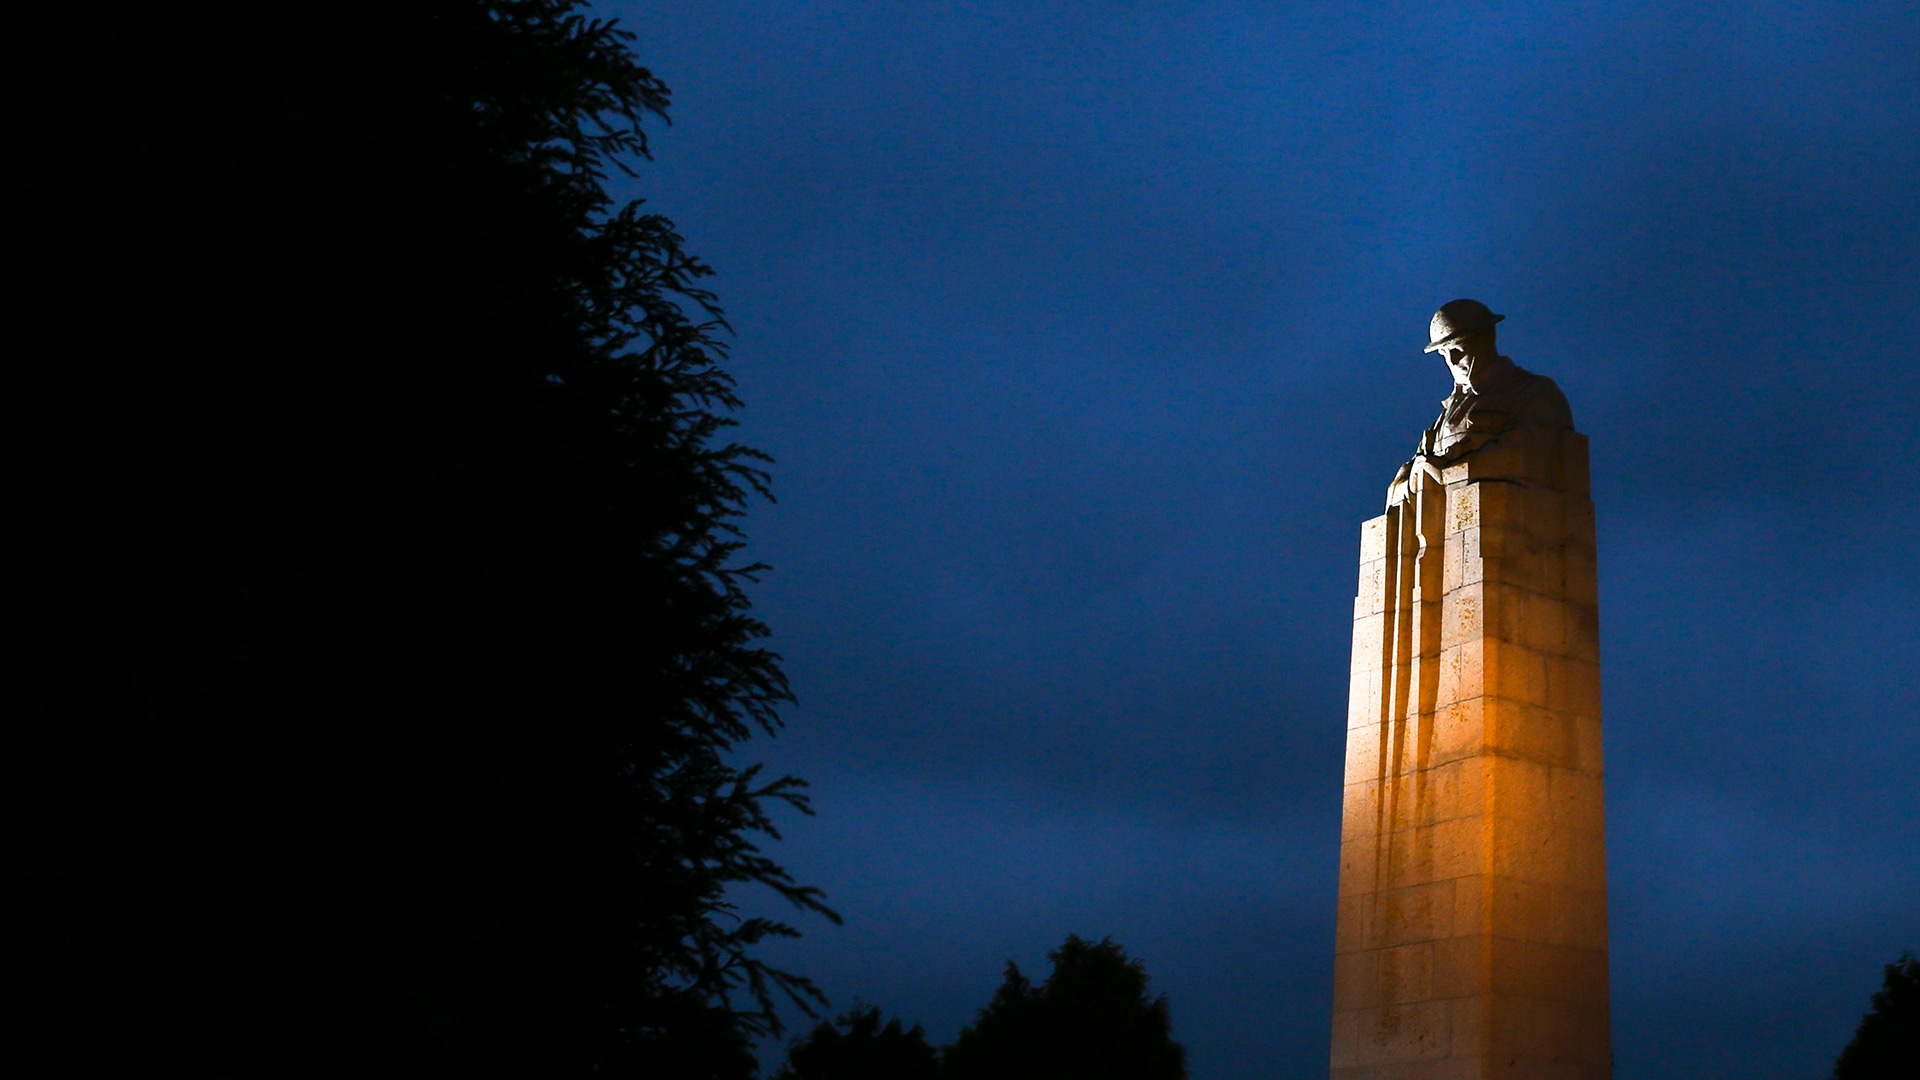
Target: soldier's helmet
[{"x": 1458, "y": 318}]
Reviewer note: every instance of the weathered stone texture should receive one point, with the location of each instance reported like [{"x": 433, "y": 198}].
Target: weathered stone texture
[{"x": 1472, "y": 927}]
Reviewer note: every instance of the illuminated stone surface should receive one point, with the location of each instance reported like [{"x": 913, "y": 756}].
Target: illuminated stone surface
[{"x": 1472, "y": 925}]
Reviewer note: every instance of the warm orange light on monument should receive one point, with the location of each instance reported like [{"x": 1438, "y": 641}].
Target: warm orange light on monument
[{"x": 1472, "y": 930}]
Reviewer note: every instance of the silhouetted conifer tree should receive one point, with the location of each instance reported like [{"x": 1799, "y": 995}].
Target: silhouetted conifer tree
[
  {"x": 1091, "y": 1019},
  {"x": 380, "y": 644},
  {"x": 1887, "y": 1044},
  {"x": 857, "y": 1046}
]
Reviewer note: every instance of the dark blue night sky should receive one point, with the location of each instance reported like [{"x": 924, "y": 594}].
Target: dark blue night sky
[{"x": 1086, "y": 335}]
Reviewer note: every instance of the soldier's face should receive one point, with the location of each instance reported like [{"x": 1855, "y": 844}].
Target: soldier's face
[
  {"x": 1462, "y": 355},
  {"x": 1459, "y": 360}
]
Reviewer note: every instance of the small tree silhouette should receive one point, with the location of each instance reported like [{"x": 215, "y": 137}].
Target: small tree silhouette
[
  {"x": 1091, "y": 1019},
  {"x": 857, "y": 1046},
  {"x": 1886, "y": 1046}
]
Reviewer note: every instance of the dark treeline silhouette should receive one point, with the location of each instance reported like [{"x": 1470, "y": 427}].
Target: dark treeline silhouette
[
  {"x": 1092, "y": 1019},
  {"x": 378, "y": 639},
  {"x": 1887, "y": 1044},
  {"x": 860, "y": 1046}
]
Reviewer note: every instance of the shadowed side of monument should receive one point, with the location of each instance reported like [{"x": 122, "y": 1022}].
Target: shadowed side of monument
[{"x": 1472, "y": 932}]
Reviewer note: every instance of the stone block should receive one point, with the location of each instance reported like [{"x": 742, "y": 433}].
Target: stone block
[
  {"x": 1356, "y": 981},
  {"x": 1462, "y": 966},
  {"x": 1369, "y": 644},
  {"x": 1577, "y": 525},
  {"x": 1454, "y": 790},
  {"x": 1589, "y": 1035},
  {"x": 1463, "y": 670},
  {"x": 1459, "y": 730},
  {"x": 1418, "y": 913},
  {"x": 1471, "y": 543},
  {"x": 1468, "y": 1019},
  {"x": 1360, "y": 810},
  {"x": 1521, "y": 910},
  {"x": 1535, "y": 567},
  {"x": 1579, "y": 917},
  {"x": 1572, "y": 687},
  {"x": 1530, "y": 851},
  {"x": 1491, "y": 568},
  {"x": 1409, "y": 803},
  {"x": 1463, "y": 614},
  {"x": 1346, "y": 1039},
  {"x": 1515, "y": 672},
  {"x": 1422, "y": 799},
  {"x": 1452, "y": 1067},
  {"x": 1407, "y": 860},
  {"x": 1406, "y": 974},
  {"x": 1547, "y": 1031},
  {"x": 1570, "y": 467},
  {"x": 1394, "y": 691},
  {"x": 1462, "y": 508},
  {"x": 1473, "y": 906},
  {"x": 1397, "y": 803},
  {"x": 1365, "y": 688},
  {"x": 1364, "y": 752},
  {"x": 1539, "y": 515},
  {"x": 1544, "y": 623},
  {"x": 1505, "y": 612},
  {"x": 1499, "y": 540},
  {"x": 1525, "y": 1028},
  {"x": 1353, "y": 922},
  {"x": 1536, "y": 851},
  {"x": 1462, "y": 564},
  {"x": 1360, "y": 866},
  {"x": 1371, "y": 596},
  {"x": 1519, "y": 790},
  {"x": 1582, "y": 632},
  {"x": 1545, "y": 971},
  {"x": 1576, "y": 800},
  {"x": 1397, "y": 1033},
  {"x": 1580, "y": 576},
  {"x": 1587, "y": 860},
  {"x": 1459, "y": 847},
  {"x": 1373, "y": 539},
  {"x": 1516, "y": 729},
  {"x": 1587, "y": 755},
  {"x": 1526, "y": 1068}
]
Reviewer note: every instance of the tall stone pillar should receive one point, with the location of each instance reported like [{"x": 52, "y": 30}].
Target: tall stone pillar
[{"x": 1472, "y": 930}]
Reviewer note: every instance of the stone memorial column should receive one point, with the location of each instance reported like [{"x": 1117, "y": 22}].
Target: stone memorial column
[{"x": 1472, "y": 930}]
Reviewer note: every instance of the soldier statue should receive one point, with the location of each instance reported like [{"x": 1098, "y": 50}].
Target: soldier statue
[{"x": 1491, "y": 394}]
